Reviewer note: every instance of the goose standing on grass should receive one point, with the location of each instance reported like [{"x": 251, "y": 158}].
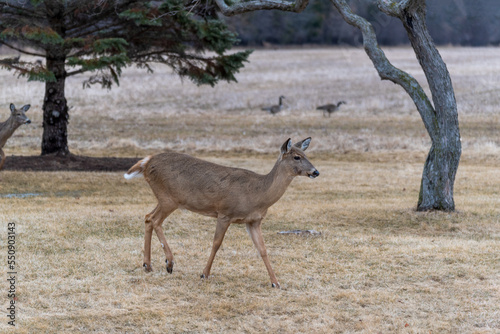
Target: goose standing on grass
[
  {"x": 330, "y": 108},
  {"x": 276, "y": 108}
]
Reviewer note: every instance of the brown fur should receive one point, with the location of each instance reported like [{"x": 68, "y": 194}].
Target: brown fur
[
  {"x": 232, "y": 195},
  {"x": 7, "y": 128},
  {"x": 2, "y": 158}
]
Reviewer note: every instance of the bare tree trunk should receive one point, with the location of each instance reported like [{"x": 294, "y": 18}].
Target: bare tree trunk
[
  {"x": 436, "y": 190},
  {"x": 55, "y": 110}
]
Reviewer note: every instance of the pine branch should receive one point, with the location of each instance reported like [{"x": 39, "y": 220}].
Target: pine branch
[
  {"x": 93, "y": 18},
  {"x": 34, "y": 72},
  {"x": 106, "y": 39},
  {"x": 117, "y": 26},
  {"x": 21, "y": 50}
]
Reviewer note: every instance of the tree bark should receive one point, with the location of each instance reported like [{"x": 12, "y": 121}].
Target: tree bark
[
  {"x": 55, "y": 110},
  {"x": 296, "y": 6},
  {"x": 436, "y": 191}
]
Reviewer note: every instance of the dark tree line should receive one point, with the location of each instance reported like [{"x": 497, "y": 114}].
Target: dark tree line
[{"x": 457, "y": 22}]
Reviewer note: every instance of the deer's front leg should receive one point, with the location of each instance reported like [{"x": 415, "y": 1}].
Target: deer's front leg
[
  {"x": 222, "y": 226},
  {"x": 2, "y": 158},
  {"x": 255, "y": 232}
]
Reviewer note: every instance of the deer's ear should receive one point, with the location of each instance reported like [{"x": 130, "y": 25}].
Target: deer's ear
[
  {"x": 25, "y": 108},
  {"x": 12, "y": 107},
  {"x": 285, "y": 148},
  {"x": 303, "y": 145}
]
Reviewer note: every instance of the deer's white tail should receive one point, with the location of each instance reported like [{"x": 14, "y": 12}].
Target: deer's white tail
[{"x": 137, "y": 169}]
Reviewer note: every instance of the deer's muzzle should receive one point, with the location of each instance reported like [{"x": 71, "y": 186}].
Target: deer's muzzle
[{"x": 314, "y": 174}]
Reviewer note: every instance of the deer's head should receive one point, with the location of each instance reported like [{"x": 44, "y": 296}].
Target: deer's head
[
  {"x": 294, "y": 158},
  {"x": 19, "y": 115}
]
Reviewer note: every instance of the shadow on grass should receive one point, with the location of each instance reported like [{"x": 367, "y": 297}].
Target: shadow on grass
[{"x": 77, "y": 163}]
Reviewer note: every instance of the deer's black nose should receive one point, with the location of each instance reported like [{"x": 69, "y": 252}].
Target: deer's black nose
[
  {"x": 314, "y": 174},
  {"x": 28, "y": 121}
]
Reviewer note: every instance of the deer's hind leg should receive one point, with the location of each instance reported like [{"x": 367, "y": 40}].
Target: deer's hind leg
[
  {"x": 147, "y": 240},
  {"x": 152, "y": 222}
]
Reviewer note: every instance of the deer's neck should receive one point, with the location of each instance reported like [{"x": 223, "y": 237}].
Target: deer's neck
[
  {"x": 7, "y": 128},
  {"x": 276, "y": 183}
]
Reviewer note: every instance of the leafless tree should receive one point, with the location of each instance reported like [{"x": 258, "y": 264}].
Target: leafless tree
[{"x": 440, "y": 116}]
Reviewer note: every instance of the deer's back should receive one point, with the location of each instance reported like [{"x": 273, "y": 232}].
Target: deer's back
[{"x": 202, "y": 186}]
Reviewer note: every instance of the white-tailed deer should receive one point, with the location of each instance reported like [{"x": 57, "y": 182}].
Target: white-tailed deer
[
  {"x": 7, "y": 128},
  {"x": 232, "y": 195}
]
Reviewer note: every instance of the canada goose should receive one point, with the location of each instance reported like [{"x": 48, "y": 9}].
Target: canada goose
[
  {"x": 276, "y": 108},
  {"x": 330, "y": 108}
]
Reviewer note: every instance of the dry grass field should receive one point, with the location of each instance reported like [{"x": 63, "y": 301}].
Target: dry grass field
[{"x": 377, "y": 267}]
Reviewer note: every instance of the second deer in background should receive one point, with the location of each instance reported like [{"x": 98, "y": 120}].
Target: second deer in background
[{"x": 17, "y": 118}]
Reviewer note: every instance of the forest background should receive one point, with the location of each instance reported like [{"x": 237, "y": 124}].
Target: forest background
[{"x": 456, "y": 22}]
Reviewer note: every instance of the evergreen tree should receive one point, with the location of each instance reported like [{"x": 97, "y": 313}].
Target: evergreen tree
[{"x": 105, "y": 36}]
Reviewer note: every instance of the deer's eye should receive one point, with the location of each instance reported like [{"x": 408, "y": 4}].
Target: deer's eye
[{"x": 296, "y": 157}]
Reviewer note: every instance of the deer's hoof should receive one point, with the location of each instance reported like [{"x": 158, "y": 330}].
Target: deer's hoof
[
  {"x": 276, "y": 285},
  {"x": 147, "y": 268},
  {"x": 170, "y": 266},
  {"x": 202, "y": 276}
]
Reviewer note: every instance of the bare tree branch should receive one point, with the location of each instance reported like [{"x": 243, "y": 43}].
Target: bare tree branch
[
  {"x": 22, "y": 50},
  {"x": 394, "y": 7},
  {"x": 68, "y": 74},
  {"x": 384, "y": 67},
  {"x": 249, "y": 6},
  {"x": 412, "y": 15}
]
